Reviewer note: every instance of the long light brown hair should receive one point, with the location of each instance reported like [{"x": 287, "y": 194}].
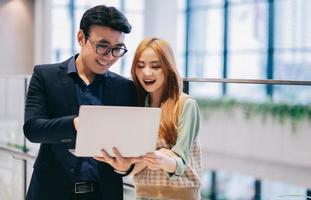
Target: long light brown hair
[{"x": 172, "y": 86}]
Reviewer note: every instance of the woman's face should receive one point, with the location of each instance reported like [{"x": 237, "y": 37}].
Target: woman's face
[{"x": 150, "y": 72}]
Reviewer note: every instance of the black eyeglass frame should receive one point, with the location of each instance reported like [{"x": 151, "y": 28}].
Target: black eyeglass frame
[{"x": 109, "y": 49}]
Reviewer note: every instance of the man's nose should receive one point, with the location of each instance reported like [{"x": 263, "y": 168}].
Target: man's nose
[{"x": 109, "y": 56}]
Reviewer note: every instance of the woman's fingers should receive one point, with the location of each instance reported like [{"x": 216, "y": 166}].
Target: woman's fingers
[
  {"x": 153, "y": 164},
  {"x": 152, "y": 160}
]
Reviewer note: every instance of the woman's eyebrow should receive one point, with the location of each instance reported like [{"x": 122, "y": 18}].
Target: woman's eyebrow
[{"x": 152, "y": 62}]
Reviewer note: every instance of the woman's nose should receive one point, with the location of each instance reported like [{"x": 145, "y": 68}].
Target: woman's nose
[{"x": 147, "y": 71}]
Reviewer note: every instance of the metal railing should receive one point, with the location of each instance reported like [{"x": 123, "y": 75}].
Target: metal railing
[
  {"x": 248, "y": 81},
  {"x": 26, "y": 157}
]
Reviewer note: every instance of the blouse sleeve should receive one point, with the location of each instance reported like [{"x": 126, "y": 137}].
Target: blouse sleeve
[{"x": 189, "y": 123}]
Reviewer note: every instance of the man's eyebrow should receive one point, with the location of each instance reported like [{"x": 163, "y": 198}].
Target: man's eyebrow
[
  {"x": 120, "y": 45},
  {"x": 103, "y": 41}
]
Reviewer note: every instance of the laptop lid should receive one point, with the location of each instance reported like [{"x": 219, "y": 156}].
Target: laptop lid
[{"x": 132, "y": 130}]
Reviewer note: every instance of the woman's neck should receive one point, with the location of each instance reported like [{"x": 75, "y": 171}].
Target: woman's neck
[{"x": 155, "y": 100}]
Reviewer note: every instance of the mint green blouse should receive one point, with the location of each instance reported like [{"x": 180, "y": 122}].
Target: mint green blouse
[{"x": 189, "y": 124}]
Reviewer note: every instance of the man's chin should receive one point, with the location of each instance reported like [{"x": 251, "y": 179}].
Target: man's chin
[
  {"x": 102, "y": 69},
  {"x": 101, "y": 72}
]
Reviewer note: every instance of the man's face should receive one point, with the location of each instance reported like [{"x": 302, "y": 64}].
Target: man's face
[{"x": 99, "y": 36}]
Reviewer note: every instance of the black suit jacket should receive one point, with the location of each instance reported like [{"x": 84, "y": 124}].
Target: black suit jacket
[{"x": 50, "y": 108}]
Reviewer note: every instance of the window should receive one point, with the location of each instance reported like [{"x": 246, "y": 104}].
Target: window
[
  {"x": 292, "y": 49},
  {"x": 64, "y": 43}
]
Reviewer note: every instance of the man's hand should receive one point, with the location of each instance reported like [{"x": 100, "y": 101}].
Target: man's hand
[
  {"x": 118, "y": 162},
  {"x": 76, "y": 123}
]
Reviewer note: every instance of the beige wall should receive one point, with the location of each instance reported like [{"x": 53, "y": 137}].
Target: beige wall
[{"x": 17, "y": 37}]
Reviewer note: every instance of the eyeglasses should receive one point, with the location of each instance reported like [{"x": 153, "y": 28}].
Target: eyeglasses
[{"x": 104, "y": 49}]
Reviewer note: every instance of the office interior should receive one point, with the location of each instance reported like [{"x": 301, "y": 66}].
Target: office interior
[{"x": 246, "y": 62}]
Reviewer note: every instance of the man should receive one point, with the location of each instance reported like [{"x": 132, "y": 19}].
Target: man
[{"x": 51, "y": 116}]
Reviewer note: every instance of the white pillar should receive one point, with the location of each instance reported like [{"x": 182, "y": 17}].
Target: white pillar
[
  {"x": 161, "y": 20},
  {"x": 17, "y": 37},
  {"x": 42, "y": 31}
]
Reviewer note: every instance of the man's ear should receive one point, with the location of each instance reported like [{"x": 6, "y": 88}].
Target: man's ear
[{"x": 81, "y": 38}]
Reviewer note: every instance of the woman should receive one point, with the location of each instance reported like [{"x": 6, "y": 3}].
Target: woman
[{"x": 173, "y": 170}]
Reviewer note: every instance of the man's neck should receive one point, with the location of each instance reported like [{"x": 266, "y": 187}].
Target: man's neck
[{"x": 86, "y": 75}]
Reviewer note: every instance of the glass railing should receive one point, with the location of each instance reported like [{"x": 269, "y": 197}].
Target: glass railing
[
  {"x": 248, "y": 146},
  {"x": 15, "y": 160},
  {"x": 255, "y": 138}
]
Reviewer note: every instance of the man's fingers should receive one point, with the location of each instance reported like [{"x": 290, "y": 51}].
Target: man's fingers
[
  {"x": 151, "y": 155},
  {"x": 118, "y": 155},
  {"x": 102, "y": 159},
  {"x": 76, "y": 122},
  {"x": 107, "y": 157},
  {"x": 137, "y": 159}
]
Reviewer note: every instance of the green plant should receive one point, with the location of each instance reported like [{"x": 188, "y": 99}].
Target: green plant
[
  {"x": 18, "y": 147},
  {"x": 279, "y": 111}
]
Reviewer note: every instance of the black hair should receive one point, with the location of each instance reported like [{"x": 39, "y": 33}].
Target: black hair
[{"x": 104, "y": 16}]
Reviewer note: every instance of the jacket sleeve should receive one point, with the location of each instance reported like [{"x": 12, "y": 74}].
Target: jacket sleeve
[{"x": 39, "y": 127}]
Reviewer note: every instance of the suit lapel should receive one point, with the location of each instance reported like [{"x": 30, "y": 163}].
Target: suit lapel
[
  {"x": 68, "y": 90},
  {"x": 65, "y": 87}
]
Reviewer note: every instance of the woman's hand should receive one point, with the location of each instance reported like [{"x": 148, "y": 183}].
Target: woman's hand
[
  {"x": 118, "y": 162},
  {"x": 160, "y": 160}
]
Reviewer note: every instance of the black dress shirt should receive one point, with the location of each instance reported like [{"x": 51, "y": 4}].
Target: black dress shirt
[{"x": 87, "y": 95}]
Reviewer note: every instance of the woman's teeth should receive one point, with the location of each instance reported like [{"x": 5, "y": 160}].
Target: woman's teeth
[{"x": 149, "y": 82}]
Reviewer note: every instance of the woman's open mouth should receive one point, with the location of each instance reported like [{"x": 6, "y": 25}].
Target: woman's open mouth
[{"x": 149, "y": 82}]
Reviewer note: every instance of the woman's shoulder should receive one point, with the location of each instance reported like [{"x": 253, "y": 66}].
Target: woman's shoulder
[
  {"x": 188, "y": 103},
  {"x": 187, "y": 99}
]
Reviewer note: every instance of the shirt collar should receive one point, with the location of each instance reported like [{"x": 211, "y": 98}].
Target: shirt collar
[
  {"x": 72, "y": 68},
  {"x": 72, "y": 65}
]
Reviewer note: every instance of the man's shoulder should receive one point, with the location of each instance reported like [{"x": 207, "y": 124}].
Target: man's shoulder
[
  {"x": 118, "y": 77},
  {"x": 52, "y": 66}
]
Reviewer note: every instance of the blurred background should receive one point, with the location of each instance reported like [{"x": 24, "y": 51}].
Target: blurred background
[{"x": 247, "y": 62}]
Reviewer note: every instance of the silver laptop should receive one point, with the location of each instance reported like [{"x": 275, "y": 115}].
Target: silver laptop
[{"x": 132, "y": 130}]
